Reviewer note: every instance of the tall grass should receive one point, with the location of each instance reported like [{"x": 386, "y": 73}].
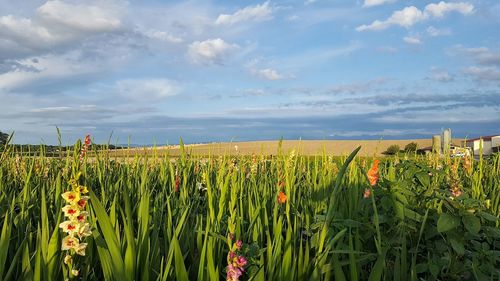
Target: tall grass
[{"x": 163, "y": 218}]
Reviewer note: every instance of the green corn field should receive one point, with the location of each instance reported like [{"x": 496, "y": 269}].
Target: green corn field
[{"x": 156, "y": 217}]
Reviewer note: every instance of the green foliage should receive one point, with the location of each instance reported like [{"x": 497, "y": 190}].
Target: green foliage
[
  {"x": 3, "y": 138},
  {"x": 411, "y": 147},
  {"x": 163, "y": 218},
  {"x": 392, "y": 150}
]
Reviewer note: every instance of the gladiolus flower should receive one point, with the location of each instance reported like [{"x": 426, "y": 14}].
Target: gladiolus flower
[
  {"x": 84, "y": 231},
  {"x": 87, "y": 140},
  {"x": 69, "y": 242},
  {"x": 69, "y": 227},
  {"x": 82, "y": 202},
  {"x": 82, "y": 216},
  {"x": 236, "y": 263},
  {"x": 241, "y": 261},
  {"x": 367, "y": 193},
  {"x": 82, "y": 189},
  {"x": 80, "y": 249},
  {"x": 71, "y": 196},
  {"x": 85, "y": 147},
  {"x": 282, "y": 197},
  {"x": 68, "y": 259},
  {"x": 233, "y": 273},
  {"x": 372, "y": 174},
  {"x": 177, "y": 183},
  {"x": 76, "y": 227},
  {"x": 71, "y": 211}
]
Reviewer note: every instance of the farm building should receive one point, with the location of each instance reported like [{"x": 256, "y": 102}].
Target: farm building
[{"x": 489, "y": 144}]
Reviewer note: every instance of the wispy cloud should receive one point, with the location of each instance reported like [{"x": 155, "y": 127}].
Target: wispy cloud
[
  {"x": 456, "y": 115},
  {"x": 441, "y": 75},
  {"x": 480, "y": 55},
  {"x": 414, "y": 40},
  {"x": 371, "y": 3},
  {"x": 487, "y": 62},
  {"x": 435, "y": 32},
  {"x": 268, "y": 73},
  {"x": 260, "y": 12},
  {"x": 147, "y": 90},
  {"x": 486, "y": 73}
]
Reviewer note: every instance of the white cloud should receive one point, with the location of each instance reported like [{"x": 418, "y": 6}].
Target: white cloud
[
  {"x": 487, "y": 73},
  {"x": 24, "y": 33},
  {"x": 147, "y": 89},
  {"x": 212, "y": 51},
  {"x": 435, "y": 32},
  {"x": 371, "y": 3},
  {"x": 82, "y": 17},
  {"x": 163, "y": 36},
  {"x": 309, "y": 2},
  {"x": 481, "y": 55},
  {"x": 441, "y": 75},
  {"x": 45, "y": 70},
  {"x": 268, "y": 73},
  {"x": 411, "y": 15},
  {"x": 440, "y": 9},
  {"x": 405, "y": 18},
  {"x": 412, "y": 40},
  {"x": 251, "y": 13},
  {"x": 56, "y": 23}
]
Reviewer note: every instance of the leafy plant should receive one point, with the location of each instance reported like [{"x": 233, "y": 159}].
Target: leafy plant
[
  {"x": 411, "y": 147},
  {"x": 158, "y": 217},
  {"x": 392, "y": 149}
]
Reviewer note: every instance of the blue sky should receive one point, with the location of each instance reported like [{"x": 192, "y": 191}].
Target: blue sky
[{"x": 248, "y": 70}]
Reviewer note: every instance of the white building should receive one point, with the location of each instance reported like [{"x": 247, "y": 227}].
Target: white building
[{"x": 489, "y": 144}]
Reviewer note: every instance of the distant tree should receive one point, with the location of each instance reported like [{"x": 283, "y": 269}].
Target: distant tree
[
  {"x": 411, "y": 147},
  {"x": 3, "y": 138},
  {"x": 393, "y": 149}
]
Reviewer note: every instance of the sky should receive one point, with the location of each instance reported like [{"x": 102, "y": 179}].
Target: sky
[{"x": 152, "y": 71}]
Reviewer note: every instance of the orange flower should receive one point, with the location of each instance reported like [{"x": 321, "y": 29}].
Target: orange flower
[
  {"x": 372, "y": 174},
  {"x": 281, "y": 197}
]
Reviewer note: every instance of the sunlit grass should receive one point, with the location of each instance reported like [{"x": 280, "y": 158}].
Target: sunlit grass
[{"x": 155, "y": 217}]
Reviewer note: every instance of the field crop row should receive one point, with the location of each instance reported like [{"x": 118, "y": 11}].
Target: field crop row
[{"x": 286, "y": 217}]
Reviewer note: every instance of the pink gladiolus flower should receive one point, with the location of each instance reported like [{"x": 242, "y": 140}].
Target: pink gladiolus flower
[{"x": 241, "y": 261}]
